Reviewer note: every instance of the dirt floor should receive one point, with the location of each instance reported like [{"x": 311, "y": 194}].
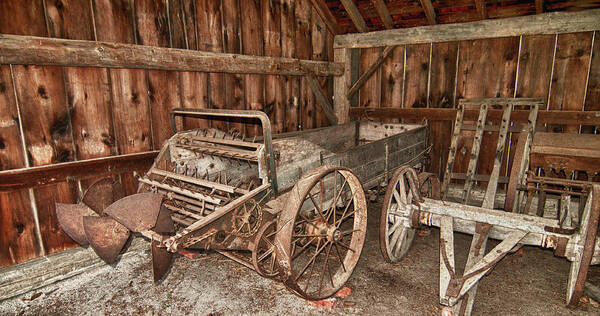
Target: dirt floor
[{"x": 529, "y": 282}]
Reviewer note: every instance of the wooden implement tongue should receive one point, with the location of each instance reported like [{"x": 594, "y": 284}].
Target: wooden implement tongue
[{"x": 106, "y": 236}]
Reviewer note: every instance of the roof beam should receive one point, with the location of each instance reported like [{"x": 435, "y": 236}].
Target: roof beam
[
  {"x": 355, "y": 16},
  {"x": 539, "y": 6},
  {"x": 384, "y": 13},
  {"x": 546, "y": 23},
  {"x": 325, "y": 14},
  {"x": 429, "y": 11},
  {"x": 481, "y": 8},
  {"x": 30, "y": 50}
]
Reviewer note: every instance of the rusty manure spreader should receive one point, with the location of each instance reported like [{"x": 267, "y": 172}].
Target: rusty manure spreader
[{"x": 290, "y": 206}]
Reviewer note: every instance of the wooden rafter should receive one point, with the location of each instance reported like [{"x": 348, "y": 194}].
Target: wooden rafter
[
  {"x": 19, "y": 50},
  {"x": 539, "y": 6},
  {"x": 429, "y": 11},
  {"x": 481, "y": 9},
  {"x": 355, "y": 15},
  {"x": 384, "y": 13},
  {"x": 325, "y": 14}
]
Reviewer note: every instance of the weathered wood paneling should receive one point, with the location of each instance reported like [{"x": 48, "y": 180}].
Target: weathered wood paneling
[
  {"x": 304, "y": 51},
  {"x": 288, "y": 49},
  {"x": 592, "y": 98},
  {"x": 252, "y": 39},
  {"x": 319, "y": 37},
  {"x": 571, "y": 66},
  {"x": 416, "y": 76},
  {"x": 392, "y": 80},
  {"x": 274, "y": 93},
  {"x": 234, "y": 84},
  {"x": 370, "y": 92},
  {"x": 131, "y": 109},
  {"x": 152, "y": 25}
]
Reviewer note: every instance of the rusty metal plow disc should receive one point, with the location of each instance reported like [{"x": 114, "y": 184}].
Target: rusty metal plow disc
[
  {"x": 106, "y": 236},
  {"x": 395, "y": 232},
  {"x": 70, "y": 219},
  {"x": 161, "y": 257},
  {"x": 103, "y": 193},
  {"x": 322, "y": 232},
  {"x": 138, "y": 212}
]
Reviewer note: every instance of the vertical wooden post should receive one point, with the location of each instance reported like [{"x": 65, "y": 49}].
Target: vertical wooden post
[{"x": 341, "y": 84}]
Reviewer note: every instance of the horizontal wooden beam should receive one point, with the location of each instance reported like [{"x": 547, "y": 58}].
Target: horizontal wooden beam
[
  {"x": 518, "y": 116},
  {"x": 29, "y": 50},
  {"x": 547, "y": 23},
  {"x": 76, "y": 170}
]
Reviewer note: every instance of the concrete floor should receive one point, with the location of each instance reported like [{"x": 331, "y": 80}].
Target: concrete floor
[{"x": 529, "y": 282}]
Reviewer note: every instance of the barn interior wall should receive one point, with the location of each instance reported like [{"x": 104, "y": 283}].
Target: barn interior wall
[
  {"x": 52, "y": 114},
  {"x": 563, "y": 69}
]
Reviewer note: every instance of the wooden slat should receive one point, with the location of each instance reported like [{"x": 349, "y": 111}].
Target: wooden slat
[
  {"x": 539, "y": 6},
  {"x": 84, "y": 169},
  {"x": 306, "y": 101},
  {"x": 474, "y": 154},
  {"x": 322, "y": 99},
  {"x": 392, "y": 79},
  {"x": 571, "y": 65},
  {"x": 151, "y": 18},
  {"x": 429, "y": 11},
  {"x": 593, "y": 88},
  {"x": 288, "y": 49},
  {"x": 416, "y": 76},
  {"x": 341, "y": 103},
  {"x": 370, "y": 71},
  {"x": 210, "y": 38},
  {"x": 384, "y": 13},
  {"x": 481, "y": 9},
  {"x": 274, "y": 97},
  {"x": 460, "y": 113},
  {"x": 490, "y": 192},
  {"x": 544, "y": 117},
  {"x": 325, "y": 14},
  {"x": 59, "y": 52},
  {"x": 355, "y": 15},
  {"x": 252, "y": 39},
  {"x": 131, "y": 109},
  {"x": 20, "y": 233},
  {"x": 321, "y": 48},
  {"x": 535, "y": 66},
  {"x": 370, "y": 92},
  {"x": 234, "y": 83},
  {"x": 547, "y": 23}
]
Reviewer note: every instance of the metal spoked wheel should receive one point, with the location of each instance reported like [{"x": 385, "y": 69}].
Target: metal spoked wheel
[
  {"x": 395, "y": 232},
  {"x": 322, "y": 232},
  {"x": 263, "y": 251}
]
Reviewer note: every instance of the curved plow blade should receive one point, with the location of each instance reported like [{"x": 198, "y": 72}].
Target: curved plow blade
[
  {"x": 106, "y": 236},
  {"x": 138, "y": 212},
  {"x": 70, "y": 219},
  {"x": 164, "y": 223},
  {"x": 161, "y": 261},
  {"x": 103, "y": 193}
]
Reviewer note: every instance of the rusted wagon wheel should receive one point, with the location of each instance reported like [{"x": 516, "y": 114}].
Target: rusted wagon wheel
[
  {"x": 322, "y": 232},
  {"x": 263, "y": 250},
  {"x": 395, "y": 232}
]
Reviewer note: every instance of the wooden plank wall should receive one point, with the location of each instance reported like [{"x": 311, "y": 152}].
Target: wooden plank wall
[
  {"x": 562, "y": 69},
  {"x": 57, "y": 114}
]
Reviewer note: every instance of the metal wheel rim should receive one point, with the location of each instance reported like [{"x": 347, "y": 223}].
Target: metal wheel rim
[
  {"x": 264, "y": 261},
  {"x": 293, "y": 271}
]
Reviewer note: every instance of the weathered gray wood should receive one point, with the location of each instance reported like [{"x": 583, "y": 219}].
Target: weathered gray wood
[
  {"x": 37, "y": 273},
  {"x": 475, "y": 149},
  {"x": 322, "y": 99},
  {"x": 446, "y": 251},
  {"x": 453, "y": 147},
  {"x": 547, "y": 23},
  {"x": 476, "y": 252},
  {"x": 370, "y": 71},
  {"x": 384, "y": 13},
  {"x": 15, "y": 49},
  {"x": 341, "y": 103},
  {"x": 490, "y": 193},
  {"x": 429, "y": 11},
  {"x": 355, "y": 15}
]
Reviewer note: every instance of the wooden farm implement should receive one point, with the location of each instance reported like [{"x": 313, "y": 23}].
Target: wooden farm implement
[{"x": 413, "y": 200}]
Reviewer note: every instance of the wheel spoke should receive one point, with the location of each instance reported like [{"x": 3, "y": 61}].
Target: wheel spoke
[
  {"x": 336, "y": 198},
  {"x": 306, "y": 220},
  {"x": 294, "y": 256},
  {"x": 266, "y": 254},
  {"x": 325, "y": 266},
  {"x": 317, "y": 252},
  {"x": 316, "y": 206},
  {"x": 339, "y": 255},
  {"x": 345, "y": 246},
  {"x": 301, "y": 236},
  {"x": 344, "y": 214},
  {"x": 350, "y": 232},
  {"x": 392, "y": 229},
  {"x": 399, "y": 242},
  {"x": 344, "y": 218},
  {"x": 395, "y": 236}
]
